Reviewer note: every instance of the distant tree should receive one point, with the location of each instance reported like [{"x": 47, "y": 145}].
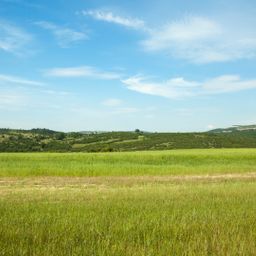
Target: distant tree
[
  {"x": 19, "y": 137},
  {"x": 60, "y": 136},
  {"x": 75, "y": 135},
  {"x": 137, "y": 130},
  {"x": 107, "y": 149}
]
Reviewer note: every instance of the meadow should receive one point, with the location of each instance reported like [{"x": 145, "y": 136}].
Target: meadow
[
  {"x": 182, "y": 202},
  {"x": 173, "y": 162}
]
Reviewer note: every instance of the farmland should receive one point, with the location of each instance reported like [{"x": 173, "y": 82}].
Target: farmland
[{"x": 179, "y": 202}]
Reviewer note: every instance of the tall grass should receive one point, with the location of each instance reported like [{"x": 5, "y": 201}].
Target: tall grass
[
  {"x": 174, "y": 162},
  {"x": 171, "y": 219},
  {"x": 128, "y": 215}
]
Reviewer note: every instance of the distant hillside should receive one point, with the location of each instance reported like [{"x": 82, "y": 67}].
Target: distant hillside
[
  {"x": 235, "y": 128},
  {"x": 44, "y": 140}
]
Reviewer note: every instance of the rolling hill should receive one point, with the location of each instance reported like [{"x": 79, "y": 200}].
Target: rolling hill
[{"x": 44, "y": 140}]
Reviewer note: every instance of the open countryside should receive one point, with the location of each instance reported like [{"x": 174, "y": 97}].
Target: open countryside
[{"x": 127, "y": 128}]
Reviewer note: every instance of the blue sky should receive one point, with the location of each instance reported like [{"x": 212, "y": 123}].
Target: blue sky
[{"x": 120, "y": 65}]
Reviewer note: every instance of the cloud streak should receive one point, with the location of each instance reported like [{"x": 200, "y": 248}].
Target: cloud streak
[
  {"x": 179, "y": 88},
  {"x": 82, "y": 71},
  {"x": 64, "y": 36},
  {"x": 6, "y": 79},
  {"x": 110, "y": 17}
]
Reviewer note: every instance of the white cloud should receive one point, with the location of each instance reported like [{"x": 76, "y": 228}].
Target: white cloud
[
  {"x": 189, "y": 29},
  {"x": 82, "y": 71},
  {"x": 196, "y": 39},
  {"x": 180, "y": 88},
  {"x": 203, "y": 40},
  {"x": 228, "y": 83},
  {"x": 112, "y": 102},
  {"x": 112, "y": 18},
  {"x": 64, "y": 36},
  {"x": 4, "y": 79},
  {"x": 13, "y": 39},
  {"x": 173, "y": 88}
]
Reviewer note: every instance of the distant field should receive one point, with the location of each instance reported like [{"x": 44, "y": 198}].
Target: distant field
[
  {"x": 174, "y": 162},
  {"x": 182, "y": 202}
]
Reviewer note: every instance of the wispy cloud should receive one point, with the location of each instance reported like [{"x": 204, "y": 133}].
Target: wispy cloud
[
  {"x": 82, "y": 71},
  {"x": 12, "y": 97},
  {"x": 65, "y": 36},
  {"x": 15, "y": 92},
  {"x": 173, "y": 88},
  {"x": 112, "y": 102},
  {"x": 18, "y": 92},
  {"x": 177, "y": 88},
  {"x": 228, "y": 83},
  {"x": 197, "y": 39},
  {"x": 13, "y": 39},
  {"x": 202, "y": 40},
  {"x": 56, "y": 93},
  {"x": 116, "y": 19},
  {"x": 7, "y": 79}
]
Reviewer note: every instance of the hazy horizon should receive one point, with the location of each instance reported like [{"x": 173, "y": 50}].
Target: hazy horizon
[{"x": 131, "y": 130}]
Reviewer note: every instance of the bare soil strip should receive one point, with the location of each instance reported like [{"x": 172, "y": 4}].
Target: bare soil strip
[{"x": 60, "y": 182}]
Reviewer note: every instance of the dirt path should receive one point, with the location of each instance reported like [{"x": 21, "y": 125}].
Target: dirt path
[{"x": 118, "y": 180}]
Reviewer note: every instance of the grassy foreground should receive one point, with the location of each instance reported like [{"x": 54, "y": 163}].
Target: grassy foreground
[
  {"x": 128, "y": 210},
  {"x": 153, "y": 219}
]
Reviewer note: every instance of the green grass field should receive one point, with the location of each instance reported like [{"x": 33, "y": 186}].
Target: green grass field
[
  {"x": 184, "y": 202},
  {"x": 174, "y": 162}
]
